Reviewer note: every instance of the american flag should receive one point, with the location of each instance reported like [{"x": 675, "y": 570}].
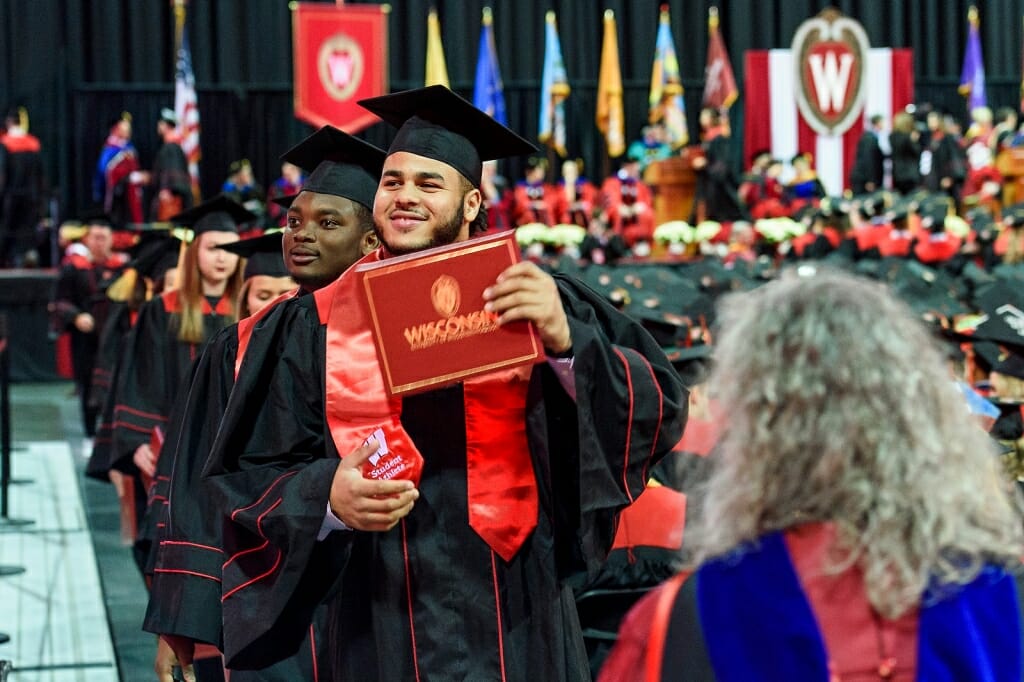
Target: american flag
[{"x": 186, "y": 106}]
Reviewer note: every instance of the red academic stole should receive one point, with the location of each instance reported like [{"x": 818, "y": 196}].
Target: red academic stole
[{"x": 501, "y": 484}]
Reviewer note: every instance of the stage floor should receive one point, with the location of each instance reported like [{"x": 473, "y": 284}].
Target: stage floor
[{"x": 75, "y": 613}]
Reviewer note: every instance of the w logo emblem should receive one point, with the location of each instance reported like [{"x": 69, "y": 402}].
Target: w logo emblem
[{"x": 830, "y": 54}]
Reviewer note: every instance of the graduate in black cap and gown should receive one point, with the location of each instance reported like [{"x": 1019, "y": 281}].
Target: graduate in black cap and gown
[
  {"x": 465, "y": 575},
  {"x": 171, "y": 330},
  {"x": 148, "y": 274},
  {"x": 329, "y": 225}
]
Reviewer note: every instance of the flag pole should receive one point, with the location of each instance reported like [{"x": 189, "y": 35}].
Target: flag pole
[{"x": 179, "y": 23}]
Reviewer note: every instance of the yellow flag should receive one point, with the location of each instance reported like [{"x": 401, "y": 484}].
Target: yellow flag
[
  {"x": 610, "y": 114},
  {"x": 437, "y": 68}
]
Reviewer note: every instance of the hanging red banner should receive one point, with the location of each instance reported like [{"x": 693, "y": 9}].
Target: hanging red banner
[{"x": 341, "y": 57}]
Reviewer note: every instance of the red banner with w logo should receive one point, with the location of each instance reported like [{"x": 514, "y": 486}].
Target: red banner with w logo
[{"x": 341, "y": 57}]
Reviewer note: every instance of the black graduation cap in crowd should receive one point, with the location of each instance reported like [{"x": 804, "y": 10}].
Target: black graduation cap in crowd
[
  {"x": 902, "y": 206},
  {"x": 285, "y": 201},
  {"x": 873, "y": 204},
  {"x": 338, "y": 164},
  {"x": 982, "y": 222},
  {"x": 899, "y": 212},
  {"x": 152, "y": 256},
  {"x": 692, "y": 364},
  {"x": 436, "y": 123},
  {"x": 219, "y": 214},
  {"x": 97, "y": 217},
  {"x": 155, "y": 253},
  {"x": 933, "y": 215},
  {"x": 1003, "y": 307},
  {"x": 1010, "y": 364},
  {"x": 668, "y": 329},
  {"x": 263, "y": 255},
  {"x": 1013, "y": 216}
]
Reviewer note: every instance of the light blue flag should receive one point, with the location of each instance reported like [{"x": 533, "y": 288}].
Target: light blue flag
[{"x": 554, "y": 88}]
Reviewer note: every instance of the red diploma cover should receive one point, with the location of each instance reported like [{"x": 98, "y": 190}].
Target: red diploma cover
[{"x": 427, "y": 314}]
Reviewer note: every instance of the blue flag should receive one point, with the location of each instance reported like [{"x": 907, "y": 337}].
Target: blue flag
[
  {"x": 972, "y": 78},
  {"x": 554, "y": 88},
  {"x": 488, "y": 95}
]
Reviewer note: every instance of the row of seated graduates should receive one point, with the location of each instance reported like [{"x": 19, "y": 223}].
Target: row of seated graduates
[
  {"x": 921, "y": 226},
  {"x": 650, "y": 538},
  {"x": 623, "y": 200}
]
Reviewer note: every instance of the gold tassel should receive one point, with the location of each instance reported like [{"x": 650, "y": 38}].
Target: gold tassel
[{"x": 121, "y": 289}]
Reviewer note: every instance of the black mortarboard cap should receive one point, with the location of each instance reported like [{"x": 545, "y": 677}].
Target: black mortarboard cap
[
  {"x": 436, "y": 123},
  {"x": 285, "y": 201},
  {"x": 155, "y": 252},
  {"x": 1010, "y": 364},
  {"x": 219, "y": 214},
  {"x": 97, "y": 217},
  {"x": 1013, "y": 215},
  {"x": 338, "y": 164},
  {"x": 981, "y": 219},
  {"x": 263, "y": 255},
  {"x": 933, "y": 215},
  {"x": 668, "y": 329},
  {"x": 873, "y": 204},
  {"x": 899, "y": 211},
  {"x": 692, "y": 364},
  {"x": 1003, "y": 307}
]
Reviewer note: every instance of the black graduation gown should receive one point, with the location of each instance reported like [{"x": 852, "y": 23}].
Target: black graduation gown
[
  {"x": 717, "y": 185},
  {"x": 906, "y": 160},
  {"x": 185, "y": 560},
  {"x": 153, "y": 369},
  {"x": 170, "y": 172},
  {"x": 868, "y": 164},
  {"x": 22, "y": 196},
  {"x": 429, "y": 599},
  {"x": 81, "y": 288},
  {"x": 105, "y": 377},
  {"x": 151, "y": 374}
]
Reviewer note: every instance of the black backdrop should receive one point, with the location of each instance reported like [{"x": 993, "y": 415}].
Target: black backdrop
[{"x": 76, "y": 63}]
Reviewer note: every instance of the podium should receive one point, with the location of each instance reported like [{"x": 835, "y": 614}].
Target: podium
[
  {"x": 1010, "y": 164},
  {"x": 674, "y": 183}
]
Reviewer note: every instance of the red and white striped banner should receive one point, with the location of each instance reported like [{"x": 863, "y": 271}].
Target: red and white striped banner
[{"x": 772, "y": 119}]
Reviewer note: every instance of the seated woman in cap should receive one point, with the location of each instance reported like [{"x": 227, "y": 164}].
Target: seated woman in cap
[{"x": 855, "y": 524}]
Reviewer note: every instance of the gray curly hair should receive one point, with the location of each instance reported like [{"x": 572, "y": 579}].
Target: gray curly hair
[{"x": 839, "y": 408}]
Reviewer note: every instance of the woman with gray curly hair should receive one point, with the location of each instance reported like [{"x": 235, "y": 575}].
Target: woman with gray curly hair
[{"x": 856, "y": 524}]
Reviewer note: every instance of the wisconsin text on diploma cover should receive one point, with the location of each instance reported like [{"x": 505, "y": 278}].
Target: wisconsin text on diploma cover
[{"x": 450, "y": 329}]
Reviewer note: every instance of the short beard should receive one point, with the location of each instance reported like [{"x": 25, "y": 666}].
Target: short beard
[{"x": 445, "y": 233}]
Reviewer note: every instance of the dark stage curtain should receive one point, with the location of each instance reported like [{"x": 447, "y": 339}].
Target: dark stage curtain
[{"x": 77, "y": 63}]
